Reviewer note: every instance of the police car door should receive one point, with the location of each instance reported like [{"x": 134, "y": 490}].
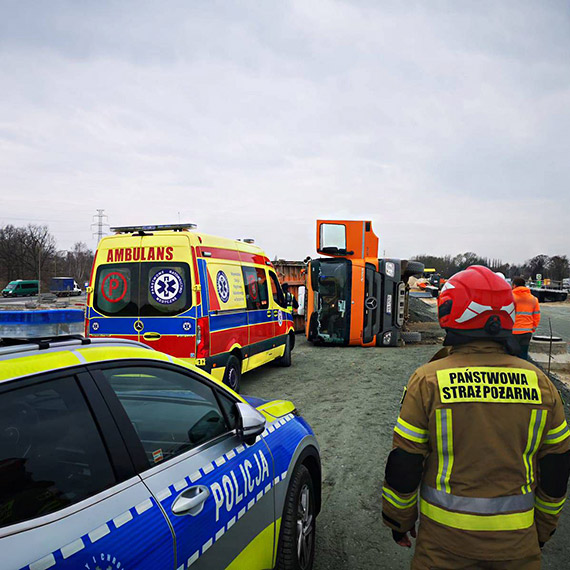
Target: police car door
[
  {"x": 216, "y": 491},
  {"x": 69, "y": 496}
]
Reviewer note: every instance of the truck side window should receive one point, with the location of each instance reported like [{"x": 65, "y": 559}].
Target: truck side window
[{"x": 255, "y": 283}]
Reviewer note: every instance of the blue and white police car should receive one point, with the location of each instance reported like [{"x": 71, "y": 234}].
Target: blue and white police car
[{"x": 114, "y": 456}]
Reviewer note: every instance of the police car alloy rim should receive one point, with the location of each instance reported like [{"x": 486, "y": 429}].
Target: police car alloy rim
[{"x": 304, "y": 528}]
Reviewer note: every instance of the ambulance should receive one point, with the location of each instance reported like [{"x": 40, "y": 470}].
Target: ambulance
[{"x": 211, "y": 301}]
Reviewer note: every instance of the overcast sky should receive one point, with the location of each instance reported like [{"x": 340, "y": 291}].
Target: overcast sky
[{"x": 445, "y": 123}]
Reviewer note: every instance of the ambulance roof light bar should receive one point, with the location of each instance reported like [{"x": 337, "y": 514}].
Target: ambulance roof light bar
[{"x": 152, "y": 228}]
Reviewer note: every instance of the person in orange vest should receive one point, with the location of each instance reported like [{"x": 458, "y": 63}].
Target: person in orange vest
[
  {"x": 481, "y": 447},
  {"x": 527, "y": 315}
]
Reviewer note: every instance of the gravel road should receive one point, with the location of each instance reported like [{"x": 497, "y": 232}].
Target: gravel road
[{"x": 351, "y": 398}]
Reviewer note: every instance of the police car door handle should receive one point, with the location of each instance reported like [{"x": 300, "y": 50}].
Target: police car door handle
[{"x": 191, "y": 501}]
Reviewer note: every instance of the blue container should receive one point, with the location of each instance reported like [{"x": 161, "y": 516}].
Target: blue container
[{"x": 41, "y": 323}]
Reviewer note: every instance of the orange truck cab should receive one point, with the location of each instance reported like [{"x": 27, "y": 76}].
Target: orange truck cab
[
  {"x": 353, "y": 297},
  {"x": 212, "y": 301}
]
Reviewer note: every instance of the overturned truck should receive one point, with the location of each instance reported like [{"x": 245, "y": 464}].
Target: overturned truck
[{"x": 354, "y": 297}]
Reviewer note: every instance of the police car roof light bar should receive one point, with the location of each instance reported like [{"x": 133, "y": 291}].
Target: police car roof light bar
[{"x": 151, "y": 228}]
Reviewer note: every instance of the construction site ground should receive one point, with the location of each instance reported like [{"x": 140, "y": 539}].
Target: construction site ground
[{"x": 351, "y": 397}]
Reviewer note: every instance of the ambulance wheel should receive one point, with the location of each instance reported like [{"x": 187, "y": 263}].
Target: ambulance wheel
[
  {"x": 296, "y": 549},
  {"x": 285, "y": 360},
  {"x": 232, "y": 374}
]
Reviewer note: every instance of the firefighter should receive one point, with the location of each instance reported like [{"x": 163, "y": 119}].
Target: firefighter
[{"x": 481, "y": 446}]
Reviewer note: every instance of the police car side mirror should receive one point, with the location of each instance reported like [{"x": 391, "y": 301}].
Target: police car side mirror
[{"x": 251, "y": 423}]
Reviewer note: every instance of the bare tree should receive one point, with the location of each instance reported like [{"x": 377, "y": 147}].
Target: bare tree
[
  {"x": 538, "y": 265},
  {"x": 558, "y": 267}
]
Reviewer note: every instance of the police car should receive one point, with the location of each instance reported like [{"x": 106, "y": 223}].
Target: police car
[{"x": 114, "y": 456}]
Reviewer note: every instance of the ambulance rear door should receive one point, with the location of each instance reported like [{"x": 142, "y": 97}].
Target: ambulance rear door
[
  {"x": 115, "y": 306},
  {"x": 167, "y": 296}
]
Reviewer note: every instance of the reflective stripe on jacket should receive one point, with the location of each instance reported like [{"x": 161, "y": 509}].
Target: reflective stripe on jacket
[
  {"x": 482, "y": 419},
  {"x": 527, "y": 311}
]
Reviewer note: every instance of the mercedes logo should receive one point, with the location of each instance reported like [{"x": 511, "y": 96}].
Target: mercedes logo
[
  {"x": 371, "y": 303},
  {"x": 139, "y": 326}
]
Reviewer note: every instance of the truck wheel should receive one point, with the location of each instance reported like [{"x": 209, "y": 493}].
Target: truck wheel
[
  {"x": 285, "y": 360},
  {"x": 411, "y": 336},
  {"x": 232, "y": 374},
  {"x": 296, "y": 549},
  {"x": 412, "y": 268}
]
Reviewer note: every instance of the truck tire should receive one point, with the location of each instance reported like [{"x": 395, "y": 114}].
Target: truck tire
[
  {"x": 412, "y": 268},
  {"x": 232, "y": 373},
  {"x": 296, "y": 549},
  {"x": 411, "y": 336}
]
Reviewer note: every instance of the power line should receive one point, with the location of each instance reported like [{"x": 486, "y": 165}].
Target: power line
[{"x": 100, "y": 224}]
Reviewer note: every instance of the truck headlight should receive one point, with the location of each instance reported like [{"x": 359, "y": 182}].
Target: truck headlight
[{"x": 390, "y": 268}]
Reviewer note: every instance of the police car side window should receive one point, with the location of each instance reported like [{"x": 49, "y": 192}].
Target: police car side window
[
  {"x": 51, "y": 453},
  {"x": 229, "y": 408},
  {"x": 170, "y": 411},
  {"x": 255, "y": 282}
]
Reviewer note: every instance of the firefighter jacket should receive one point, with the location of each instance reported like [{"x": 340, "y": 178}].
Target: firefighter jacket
[
  {"x": 481, "y": 451},
  {"x": 527, "y": 311}
]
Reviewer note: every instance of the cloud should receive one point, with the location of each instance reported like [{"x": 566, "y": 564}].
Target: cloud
[{"x": 445, "y": 123}]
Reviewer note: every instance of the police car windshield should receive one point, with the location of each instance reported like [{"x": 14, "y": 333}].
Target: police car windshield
[{"x": 142, "y": 289}]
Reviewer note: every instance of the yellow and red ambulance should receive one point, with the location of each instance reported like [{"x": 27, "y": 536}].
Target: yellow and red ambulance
[{"x": 212, "y": 301}]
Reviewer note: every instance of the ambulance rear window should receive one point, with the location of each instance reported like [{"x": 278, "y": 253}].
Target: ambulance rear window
[{"x": 143, "y": 289}]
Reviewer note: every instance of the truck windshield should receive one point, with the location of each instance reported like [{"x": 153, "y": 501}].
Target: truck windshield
[
  {"x": 142, "y": 289},
  {"x": 331, "y": 282},
  {"x": 11, "y": 286}
]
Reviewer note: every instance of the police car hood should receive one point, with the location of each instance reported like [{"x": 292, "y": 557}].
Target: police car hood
[{"x": 271, "y": 409}]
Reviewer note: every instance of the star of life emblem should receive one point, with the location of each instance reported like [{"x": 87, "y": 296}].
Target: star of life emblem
[
  {"x": 223, "y": 286},
  {"x": 166, "y": 286}
]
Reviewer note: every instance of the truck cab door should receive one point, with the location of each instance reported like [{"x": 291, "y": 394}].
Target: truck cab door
[{"x": 346, "y": 238}]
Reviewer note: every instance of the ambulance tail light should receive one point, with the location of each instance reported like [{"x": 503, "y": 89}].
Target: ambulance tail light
[{"x": 203, "y": 338}]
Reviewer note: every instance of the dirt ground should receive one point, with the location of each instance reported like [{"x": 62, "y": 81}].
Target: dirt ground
[{"x": 351, "y": 398}]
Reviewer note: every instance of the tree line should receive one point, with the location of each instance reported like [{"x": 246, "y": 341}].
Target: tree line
[
  {"x": 554, "y": 267},
  {"x": 31, "y": 252}
]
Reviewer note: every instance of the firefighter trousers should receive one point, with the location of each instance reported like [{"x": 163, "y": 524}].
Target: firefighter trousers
[{"x": 428, "y": 557}]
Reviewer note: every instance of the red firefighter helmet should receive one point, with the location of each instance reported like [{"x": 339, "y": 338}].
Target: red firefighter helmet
[{"x": 477, "y": 303}]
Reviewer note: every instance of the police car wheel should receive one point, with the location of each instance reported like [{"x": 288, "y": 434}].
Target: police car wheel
[
  {"x": 285, "y": 360},
  {"x": 296, "y": 549},
  {"x": 232, "y": 374}
]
